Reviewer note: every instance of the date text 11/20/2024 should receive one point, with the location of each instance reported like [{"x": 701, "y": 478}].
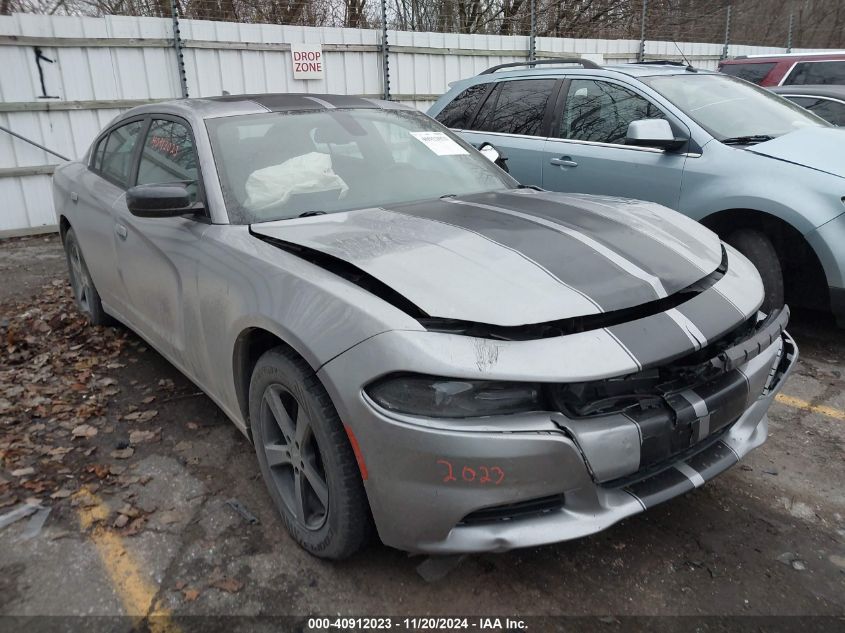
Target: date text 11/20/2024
[{"x": 415, "y": 624}]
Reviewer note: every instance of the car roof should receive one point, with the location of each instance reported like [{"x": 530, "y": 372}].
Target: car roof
[
  {"x": 824, "y": 90},
  {"x": 233, "y": 105},
  {"x": 778, "y": 57},
  {"x": 644, "y": 69}
]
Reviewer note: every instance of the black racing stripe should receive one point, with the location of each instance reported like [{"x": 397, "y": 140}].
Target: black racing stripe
[
  {"x": 571, "y": 261},
  {"x": 650, "y": 254},
  {"x": 678, "y": 232},
  {"x": 711, "y": 313},
  {"x": 714, "y": 460},
  {"x": 346, "y": 101},
  {"x": 275, "y": 102},
  {"x": 653, "y": 339},
  {"x": 661, "y": 487},
  {"x": 725, "y": 398},
  {"x": 287, "y": 102}
]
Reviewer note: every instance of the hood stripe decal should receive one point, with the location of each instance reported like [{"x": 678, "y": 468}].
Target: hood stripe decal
[
  {"x": 626, "y": 265},
  {"x": 516, "y": 252},
  {"x": 679, "y": 234},
  {"x": 569, "y": 260},
  {"x": 688, "y": 327}
]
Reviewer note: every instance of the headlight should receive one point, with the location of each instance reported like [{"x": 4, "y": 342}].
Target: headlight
[{"x": 454, "y": 398}]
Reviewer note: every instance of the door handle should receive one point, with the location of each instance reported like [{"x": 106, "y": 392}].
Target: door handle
[
  {"x": 74, "y": 197},
  {"x": 120, "y": 231},
  {"x": 564, "y": 161}
]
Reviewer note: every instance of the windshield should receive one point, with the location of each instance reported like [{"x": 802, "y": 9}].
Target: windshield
[
  {"x": 283, "y": 165},
  {"x": 730, "y": 108}
]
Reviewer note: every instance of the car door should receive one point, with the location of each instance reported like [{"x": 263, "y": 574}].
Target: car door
[
  {"x": 105, "y": 180},
  {"x": 157, "y": 257},
  {"x": 515, "y": 117},
  {"x": 587, "y": 152}
]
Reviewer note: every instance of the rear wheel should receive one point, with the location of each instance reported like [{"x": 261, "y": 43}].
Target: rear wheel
[
  {"x": 84, "y": 292},
  {"x": 305, "y": 457},
  {"x": 758, "y": 248}
]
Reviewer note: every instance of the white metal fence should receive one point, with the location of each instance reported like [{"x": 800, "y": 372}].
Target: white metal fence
[{"x": 63, "y": 78}]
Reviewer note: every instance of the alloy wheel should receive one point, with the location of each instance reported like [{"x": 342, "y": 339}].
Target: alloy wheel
[
  {"x": 293, "y": 457},
  {"x": 79, "y": 280}
]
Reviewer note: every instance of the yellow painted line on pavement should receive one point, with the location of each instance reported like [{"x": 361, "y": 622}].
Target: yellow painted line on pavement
[
  {"x": 135, "y": 588},
  {"x": 798, "y": 403}
]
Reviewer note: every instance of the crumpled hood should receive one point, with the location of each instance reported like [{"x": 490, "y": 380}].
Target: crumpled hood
[
  {"x": 820, "y": 148},
  {"x": 515, "y": 257}
]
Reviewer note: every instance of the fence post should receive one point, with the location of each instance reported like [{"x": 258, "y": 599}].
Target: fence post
[
  {"x": 727, "y": 33},
  {"x": 641, "y": 54},
  {"x": 532, "y": 38},
  {"x": 177, "y": 47},
  {"x": 789, "y": 32},
  {"x": 385, "y": 49}
]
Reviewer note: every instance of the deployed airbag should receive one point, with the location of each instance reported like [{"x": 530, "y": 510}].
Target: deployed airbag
[{"x": 309, "y": 173}]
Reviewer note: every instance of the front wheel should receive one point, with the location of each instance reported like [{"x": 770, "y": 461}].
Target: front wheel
[
  {"x": 758, "y": 248},
  {"x": 84, "y": 292},
  {"x": 305, "y": 457}
]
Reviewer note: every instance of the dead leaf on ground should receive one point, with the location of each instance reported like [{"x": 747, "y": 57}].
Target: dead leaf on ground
[
  {"x": 229, "y": 585},
  {"x": 141, "y": 416},
  {"x": 190, "y": 594},
  {"x": 84, "y": 430},
  {"x": 139, "y": 437},
  {"x": 123, "y": 453}
]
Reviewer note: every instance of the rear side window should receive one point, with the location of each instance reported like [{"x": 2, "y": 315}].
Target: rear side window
[
  {"x": 831, "y": 111},
  {"x": 516, "y": 107},
  {"x": 118, "y": 151},
  {"x": 601, "y": 112},
  {"x": 169, "y": 156},
  {"x": 815, "y": 73},
  {"x": 754, "y": 73},
  {"x": 458, "y": 113}
]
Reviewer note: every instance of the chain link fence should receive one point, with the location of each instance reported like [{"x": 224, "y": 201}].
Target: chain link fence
[{"x": 791, "y": 24}]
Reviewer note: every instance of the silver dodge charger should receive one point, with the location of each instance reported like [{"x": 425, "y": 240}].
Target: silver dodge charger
[{"x": 412, "y": 341}]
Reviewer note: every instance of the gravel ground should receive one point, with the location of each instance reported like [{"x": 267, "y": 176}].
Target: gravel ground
[{"x": 107, "y": 414}]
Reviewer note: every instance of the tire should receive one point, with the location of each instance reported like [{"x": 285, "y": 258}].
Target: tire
[
  {"x": 758, "y": 248},
  {"x": 85, "y": 294},
  {"x": 302, "y": 445}
]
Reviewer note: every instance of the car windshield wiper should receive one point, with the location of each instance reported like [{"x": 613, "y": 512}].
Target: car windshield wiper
[
  {"x": 308, "y": 214},
  {"x": 747, "y": 140}
]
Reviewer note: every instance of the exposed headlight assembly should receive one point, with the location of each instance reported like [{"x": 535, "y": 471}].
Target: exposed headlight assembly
[{"x": 452, "y": 397}]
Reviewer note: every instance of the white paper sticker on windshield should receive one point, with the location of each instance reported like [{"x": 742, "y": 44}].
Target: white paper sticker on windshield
[{"x": 439, "y": 143}]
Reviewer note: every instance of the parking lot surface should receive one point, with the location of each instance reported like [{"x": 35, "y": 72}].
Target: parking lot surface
[{"x": 156, "y": 505}]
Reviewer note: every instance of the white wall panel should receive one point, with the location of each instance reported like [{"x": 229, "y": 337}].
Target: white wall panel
[{"x": 94, "y": 73}]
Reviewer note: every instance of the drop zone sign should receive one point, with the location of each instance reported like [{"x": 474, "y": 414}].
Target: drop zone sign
[{"x": 307, "y": 61}]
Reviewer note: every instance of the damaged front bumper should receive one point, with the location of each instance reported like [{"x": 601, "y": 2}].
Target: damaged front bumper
[{"x": 493, "y": 484}]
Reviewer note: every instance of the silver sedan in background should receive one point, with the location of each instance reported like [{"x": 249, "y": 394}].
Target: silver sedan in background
[{"x": 411, "y": 340}]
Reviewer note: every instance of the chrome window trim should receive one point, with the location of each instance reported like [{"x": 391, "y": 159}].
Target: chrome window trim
[
  {"x": 631, "y": 148},
  {"x": 803, "y": 96},
  {"x": 652, "y": 150}
]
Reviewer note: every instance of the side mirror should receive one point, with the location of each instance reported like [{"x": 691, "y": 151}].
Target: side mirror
[
  {"x": 159, "y": 201},
  {"x": 653, "y": 133},
  {"x": 492, "y": 153}
]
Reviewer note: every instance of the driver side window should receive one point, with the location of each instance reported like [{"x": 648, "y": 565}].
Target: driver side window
[
  {"x": 599, "y": 111},
  {"x": 168, "y": 156}
]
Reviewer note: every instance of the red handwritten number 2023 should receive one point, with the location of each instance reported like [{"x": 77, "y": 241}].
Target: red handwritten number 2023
[{"x": 479, "y": 475}]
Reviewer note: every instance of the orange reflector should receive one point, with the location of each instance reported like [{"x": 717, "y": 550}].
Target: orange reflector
[{"x": 356, "y": 448}]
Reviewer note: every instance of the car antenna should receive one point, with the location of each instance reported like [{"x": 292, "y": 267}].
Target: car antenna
[{"x": 690, "y": 67}]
